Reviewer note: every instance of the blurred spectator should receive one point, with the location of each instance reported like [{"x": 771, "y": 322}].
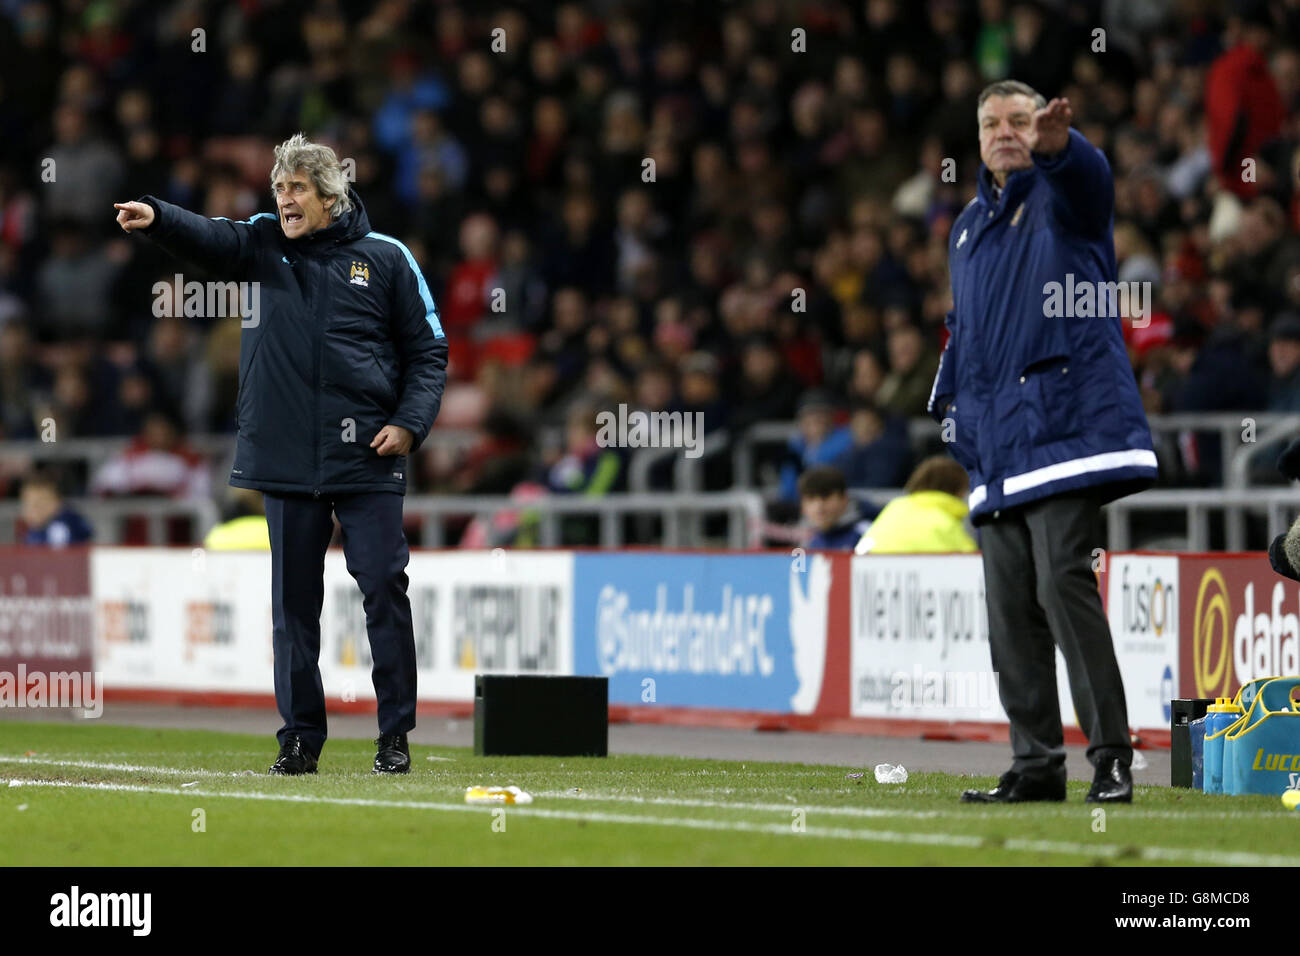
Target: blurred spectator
[
  {"x": 702, "y": 391},
  {"x": 1242, "y": 104},
  {"x": 74, "y": 285},
  {"x": 468, "y": 289},
  {"x": 1217, "y": 376},
  {"x": 584, "y": 467},
  {"x": 157, "y": 462},
  {"x": 819, "y": 440},
  {"x": 22, "y": 381},
  {"x": 245, "y": 526},
  {"x": 880, "y": 454},
  {"x": 1284, "y": 359},
  {"x": 87, "y": 173},
  {"x": 498, "y": 461},
  {"x": 48, "y": 521},
  {"x": 906, "y": 388},
  {"x": 837, "y": 520},
  {"x": 929, "y": 517},
  {"x": 765, "y": 391}
]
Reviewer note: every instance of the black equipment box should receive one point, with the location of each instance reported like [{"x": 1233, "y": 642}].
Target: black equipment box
[{"x": 541, "y": 716}]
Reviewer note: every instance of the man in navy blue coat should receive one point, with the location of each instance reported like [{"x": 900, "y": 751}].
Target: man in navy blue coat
[
  {"x": 341, "y": 372},
  {"x": 1039, "y": 404}
]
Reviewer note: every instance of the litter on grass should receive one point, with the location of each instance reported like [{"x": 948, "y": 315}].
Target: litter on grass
[
  {"x": 510, "y": 795},
  {"x": 888, "y": 773}
]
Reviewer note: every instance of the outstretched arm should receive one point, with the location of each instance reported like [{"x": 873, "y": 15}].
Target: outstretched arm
[
  {"x": 221, "y": 246},
  {"x": 1077, "y": 172}
]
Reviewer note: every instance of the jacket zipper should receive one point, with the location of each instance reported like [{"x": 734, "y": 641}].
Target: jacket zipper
[{"x": 315, "y": 394}]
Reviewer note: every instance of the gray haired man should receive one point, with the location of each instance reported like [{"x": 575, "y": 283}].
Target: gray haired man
[{"x": 341, "y": 373}]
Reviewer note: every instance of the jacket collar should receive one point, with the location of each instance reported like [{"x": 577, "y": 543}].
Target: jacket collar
[{"x": 1015, "y": 188}]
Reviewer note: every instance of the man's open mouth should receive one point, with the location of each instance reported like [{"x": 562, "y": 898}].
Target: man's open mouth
[{"x": 290, "y": 217}]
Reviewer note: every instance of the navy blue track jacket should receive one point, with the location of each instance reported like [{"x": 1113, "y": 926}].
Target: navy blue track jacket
[
  {"x": 1039, "y": 404},
  {"x": 345, "y": 340}
]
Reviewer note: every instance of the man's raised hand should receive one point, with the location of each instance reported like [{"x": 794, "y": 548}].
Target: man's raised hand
[
  {"x": 134, "y": 215},
  {"x": 1051, "y": 129}
]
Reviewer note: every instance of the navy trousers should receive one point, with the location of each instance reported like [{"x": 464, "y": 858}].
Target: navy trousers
[{"x": 376, "y": 552}]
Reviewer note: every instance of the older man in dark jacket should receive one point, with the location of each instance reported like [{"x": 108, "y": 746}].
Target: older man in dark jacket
[
  {"x": 1039, "y": 404},
  {"x": 342, "y": 367}
]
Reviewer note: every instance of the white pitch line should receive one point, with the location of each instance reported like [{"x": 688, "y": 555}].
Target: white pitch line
[
  {"x": 120, "y": 767},
  {"x": 1016, "y": 845},
  {"x": 1126, "y": 812},
  {"x": 728, "y": 805}
]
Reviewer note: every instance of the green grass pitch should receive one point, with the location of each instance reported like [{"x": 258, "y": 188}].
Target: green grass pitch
[{"x": 93, "y": 794}]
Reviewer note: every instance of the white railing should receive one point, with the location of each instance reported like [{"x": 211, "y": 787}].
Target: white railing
[
  {"x": 678, "y": 513},
  {"x": 1198, "y": 505},
  {"x": 108, "y": 516}
]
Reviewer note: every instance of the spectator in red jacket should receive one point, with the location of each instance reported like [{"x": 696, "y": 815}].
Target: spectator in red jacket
[{"x": 1242, "y": 105}]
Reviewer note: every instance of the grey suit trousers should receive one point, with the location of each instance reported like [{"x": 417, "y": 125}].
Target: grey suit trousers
[{"x": 1042, "y": 594}]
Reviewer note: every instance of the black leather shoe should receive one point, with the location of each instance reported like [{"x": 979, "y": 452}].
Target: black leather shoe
[
  {"x": 294, "y": 758},
  {"x": 393, "y": 755},
  {"x": 1112, "y": 784},
  {"x": 1019, "y": 788}
]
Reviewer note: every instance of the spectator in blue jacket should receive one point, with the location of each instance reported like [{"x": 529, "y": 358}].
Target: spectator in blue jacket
[
  {"x": 48, "y": 521},
  {"x": 819, "y": 440},
  {"x": 1040, "y": 406}
]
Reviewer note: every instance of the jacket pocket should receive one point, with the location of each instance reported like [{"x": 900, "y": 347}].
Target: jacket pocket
[
  {"x": 385, "y": 384},
  {"x": 1051, "y": 401},
  {"x": 960, "y": 435},
  {"x": 243, "y": 400}
]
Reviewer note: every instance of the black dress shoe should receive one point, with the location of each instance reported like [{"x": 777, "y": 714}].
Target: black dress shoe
[
  {"x": 1112, "y": 784},
  {"x": 1019, "y": 788},
  {"x": 393, "y": 755},
  {"x": 294, "y": 758}
]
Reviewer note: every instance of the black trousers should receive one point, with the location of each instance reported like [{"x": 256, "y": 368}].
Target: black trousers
[
  {"x": 376, "y": 552},
  {"x": 1042, "y": 594}
]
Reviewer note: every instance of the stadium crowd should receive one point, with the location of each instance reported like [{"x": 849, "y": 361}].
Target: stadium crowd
[{"x": 784, "y": 259}]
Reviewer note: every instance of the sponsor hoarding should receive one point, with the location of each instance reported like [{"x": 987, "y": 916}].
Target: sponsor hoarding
[
  {"x": 1144, "y": 614},
  {"x": 1240, "y": 621},
  {"x": 172, "y": 619},
  {"x": 45, "y": 610},
  {"x": 745, "y": 632},
  {"x": 920, "y": 644}
]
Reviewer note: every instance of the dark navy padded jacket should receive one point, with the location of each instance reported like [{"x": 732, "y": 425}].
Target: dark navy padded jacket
[{"x": 345, "y": 339}]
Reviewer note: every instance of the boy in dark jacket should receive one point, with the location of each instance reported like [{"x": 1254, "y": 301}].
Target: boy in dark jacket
[{"x": 838, "y": 520}]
